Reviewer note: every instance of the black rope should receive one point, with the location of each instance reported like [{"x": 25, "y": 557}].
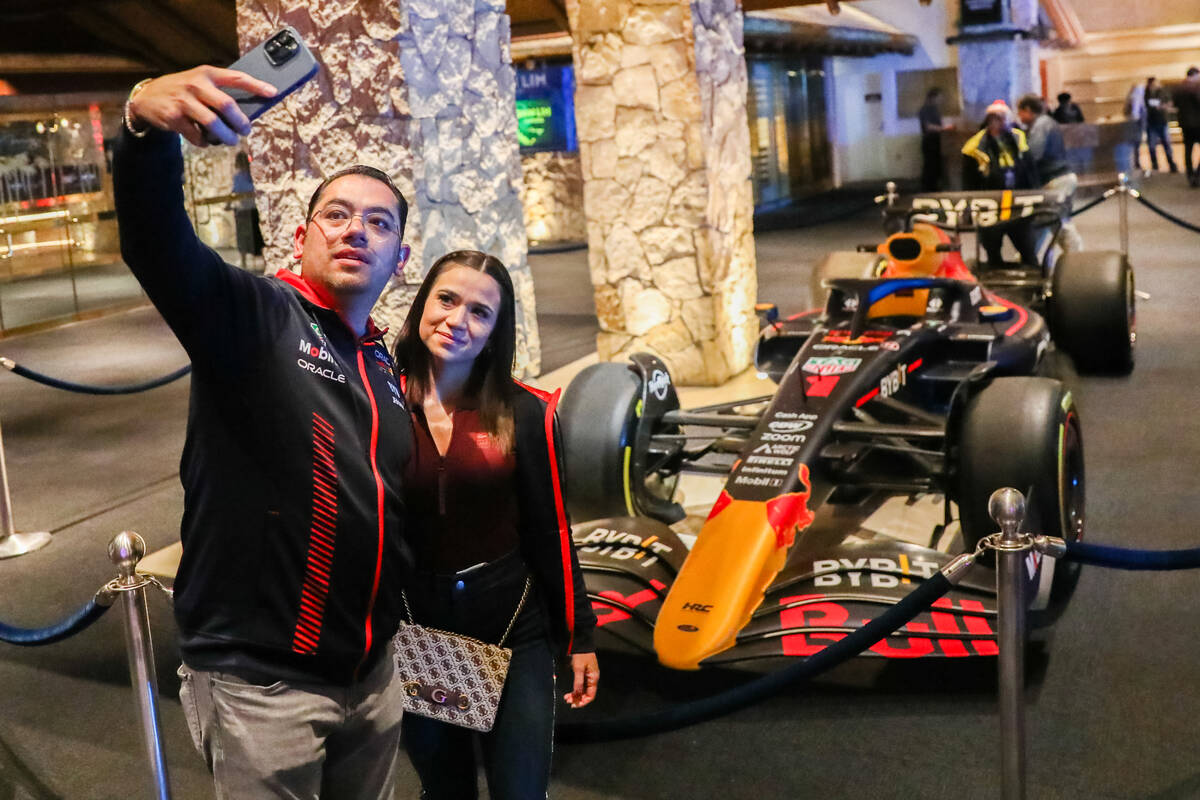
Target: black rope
[
  {"x": 1123, "y": 558},
  {"x": 759, "y": 689},
  {"x": 1167, "y": 215},
  {"x": 1086, "y": 206},
  {"x": 82, "y": 388},
  {"x": 32, "y": 637}
]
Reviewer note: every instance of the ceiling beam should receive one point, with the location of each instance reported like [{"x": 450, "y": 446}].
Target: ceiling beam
[
  {"x": 225, "y": 52},
  {"x": 558, "y": 12},
  {"x": 46, "y": 63},
  {"x": 121, "y": 38}
]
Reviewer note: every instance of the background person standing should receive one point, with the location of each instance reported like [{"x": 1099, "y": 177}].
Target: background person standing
[
  {"x": 997, "y": 157},
  {"x": 1187, "y": 101},
  {"x": 1067, "y": 113},
  {"x": 1135, "y": 113},
  {"x": 245, "y": 211},
  {"x": 930, "y": 117},
  {"x": 1049, "y": 154},
  {"x": 1158, "y": 103}
]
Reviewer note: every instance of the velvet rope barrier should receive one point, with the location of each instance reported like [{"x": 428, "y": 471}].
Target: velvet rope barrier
[
  {"x": 33, "y": 637},
  {"x": 83, "y": 388},
  {"x": 1099, "y": 555}
]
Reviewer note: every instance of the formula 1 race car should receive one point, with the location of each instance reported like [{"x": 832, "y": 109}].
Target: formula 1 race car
[{"x": 900, "y": 407}]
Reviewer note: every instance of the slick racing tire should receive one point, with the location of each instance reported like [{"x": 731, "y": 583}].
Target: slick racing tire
[
  {"x": 598, "y": 419},
  {"x": 841, "y": 264},
  {"x": 1022, "y": 433},
  {"x": 1092, "y": 313}
]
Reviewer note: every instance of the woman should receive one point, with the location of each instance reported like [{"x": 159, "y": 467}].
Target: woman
[{"x": 487, "y": 514}]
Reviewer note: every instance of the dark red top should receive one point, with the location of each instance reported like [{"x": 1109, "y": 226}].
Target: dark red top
[{"x": 463, "y": 505}]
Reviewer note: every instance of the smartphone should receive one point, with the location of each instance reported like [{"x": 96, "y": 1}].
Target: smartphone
[{"x": 283, "y": 61}]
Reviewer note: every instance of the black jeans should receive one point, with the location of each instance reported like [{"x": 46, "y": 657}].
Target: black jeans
[
  {"x": 931, "y": 162},
  {"x": 517, "y": 751},
  {"x": 1022, "y": 236},
  {"x": 1191, "y": 138},
  {"x": 1155, "y": 135}
]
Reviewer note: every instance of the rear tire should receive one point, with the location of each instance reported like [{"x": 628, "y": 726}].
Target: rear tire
[
  {"x": 598, "y": 421},
  {"x": 1023, "y": 433},
  {"x": 1092, "y": 311}
]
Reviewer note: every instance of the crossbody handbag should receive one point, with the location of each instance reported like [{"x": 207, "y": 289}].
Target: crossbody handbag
[{"x": 450, "y": 677}]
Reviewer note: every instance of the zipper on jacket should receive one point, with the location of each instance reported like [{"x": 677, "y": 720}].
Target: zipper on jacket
[
  {"x": 379, "y": 497},
  {"x": 441, "y": 489}
]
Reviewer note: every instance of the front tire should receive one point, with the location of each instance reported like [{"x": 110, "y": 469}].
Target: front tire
[
  {"x": 598, "y": 420},
  {"x": 1023, "y": 433}
]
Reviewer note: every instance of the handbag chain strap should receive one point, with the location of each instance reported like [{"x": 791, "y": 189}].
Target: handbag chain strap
[{"x": 507, "y": 631}]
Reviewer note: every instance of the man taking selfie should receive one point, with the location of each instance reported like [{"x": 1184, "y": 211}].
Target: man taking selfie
[{"x": 288, "y": 590}]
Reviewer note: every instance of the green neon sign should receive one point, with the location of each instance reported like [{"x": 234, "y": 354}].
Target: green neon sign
[{"x": 533, "y": 118}]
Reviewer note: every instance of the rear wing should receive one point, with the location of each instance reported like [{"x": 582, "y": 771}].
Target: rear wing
[{"x": 966, "y": 211}]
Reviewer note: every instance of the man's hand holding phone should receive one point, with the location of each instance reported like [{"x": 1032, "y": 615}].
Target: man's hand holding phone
[{"x": 194, "y": 102}]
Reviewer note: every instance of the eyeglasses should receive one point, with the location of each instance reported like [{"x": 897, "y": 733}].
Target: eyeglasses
[{"x": 334, "y": 220}]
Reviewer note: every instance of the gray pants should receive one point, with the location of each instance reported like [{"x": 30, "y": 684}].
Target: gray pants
[
  {"x": 1069, "y": 238},
  {"x": 293, "y": 740}
]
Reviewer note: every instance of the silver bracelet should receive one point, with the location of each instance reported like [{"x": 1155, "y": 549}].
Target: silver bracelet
[{"x": 128, "y": 117}]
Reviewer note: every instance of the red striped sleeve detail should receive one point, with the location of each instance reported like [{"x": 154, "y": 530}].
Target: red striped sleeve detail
[
  {"x": 564, "y": 531},
  {"x": 541, "y": 394},
  {"x": 319, "y": 561}
]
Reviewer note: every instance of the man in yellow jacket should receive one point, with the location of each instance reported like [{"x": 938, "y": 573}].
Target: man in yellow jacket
[{"x": 997, "y": 157}]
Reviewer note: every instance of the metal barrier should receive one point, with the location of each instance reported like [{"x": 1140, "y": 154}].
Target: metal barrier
[
  {"x": 1007, "y": 507},
  {"x": 126, "y": 550},
  {"x": 12, "y": 543}
]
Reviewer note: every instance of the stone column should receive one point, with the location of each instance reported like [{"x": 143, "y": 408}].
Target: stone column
[
  {"x": 998, "y": 60},
  {"x": 664, "y": 141},
  {"x": 423, "y": 89},
  {"x": 553, "y": 198}
]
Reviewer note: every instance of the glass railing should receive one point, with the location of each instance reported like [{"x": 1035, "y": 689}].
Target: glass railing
[{"x": 60, "y": 260}]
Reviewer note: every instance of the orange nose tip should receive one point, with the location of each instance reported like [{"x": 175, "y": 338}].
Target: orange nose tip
[{"x": 736, "y": 557}]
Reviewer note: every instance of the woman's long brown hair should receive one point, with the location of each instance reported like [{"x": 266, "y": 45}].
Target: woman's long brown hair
[{"x": 490, "y": 382}]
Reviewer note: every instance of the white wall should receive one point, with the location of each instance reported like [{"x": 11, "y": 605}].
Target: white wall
[{"x": 874, "y": 144}]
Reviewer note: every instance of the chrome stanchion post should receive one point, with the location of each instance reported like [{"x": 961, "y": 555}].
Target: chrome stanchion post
[
  {"x": 1123, "y": 199},
  {"x": 126, "y": 550},
  {"x": 891, "y": 195},
  {"x": 13, "y": 543},
  {"x": 1007, "y": 507}
]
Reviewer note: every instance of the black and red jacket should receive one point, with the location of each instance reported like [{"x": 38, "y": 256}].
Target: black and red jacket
[
  {"x": 296, "y": 440},
  {"x": 545, "y": 529}
]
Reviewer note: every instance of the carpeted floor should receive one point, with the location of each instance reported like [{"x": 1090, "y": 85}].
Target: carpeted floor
[{"x": 1112, "y": 710}]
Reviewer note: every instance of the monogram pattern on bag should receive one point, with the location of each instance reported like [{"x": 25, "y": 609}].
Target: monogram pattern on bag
[{"x": 450, "y": 678}]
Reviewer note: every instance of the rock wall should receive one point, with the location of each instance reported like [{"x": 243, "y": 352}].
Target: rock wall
[
  {"x": 554, "y": 197},
  {"x": 661, "y": 119},
  {"x": 422, "y": 89}
]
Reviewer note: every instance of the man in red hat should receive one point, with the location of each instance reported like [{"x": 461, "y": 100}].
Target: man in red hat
[{"x": 997, "y": 157}]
